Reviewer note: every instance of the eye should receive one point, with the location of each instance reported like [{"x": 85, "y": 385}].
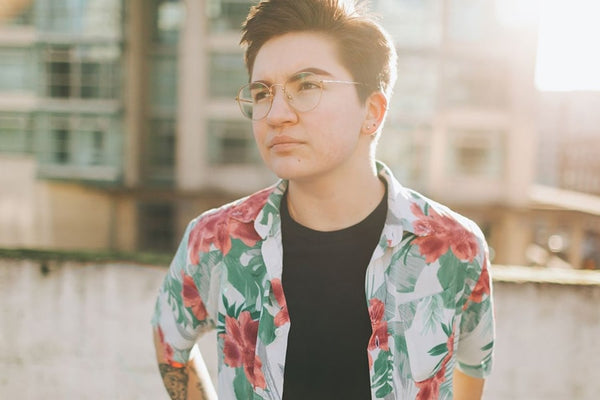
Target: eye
[
  {"x": 308, "y": 85},
  {"x": 260, "y": 95}
]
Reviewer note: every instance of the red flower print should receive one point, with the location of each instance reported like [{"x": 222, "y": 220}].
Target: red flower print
[
  {"x": 191, "y": 297},
  {"x": 233, "y": 222},
  {"x": 482, "y": 287},
  {"x": 379, "y": 337},
  {"x": 440, "y": 232},
  {"x": 282, "y": 316},
  {"x": 429, "y": 389},
  {"x": 240, "y": 345},
  {"x": 167, "y": 350}
]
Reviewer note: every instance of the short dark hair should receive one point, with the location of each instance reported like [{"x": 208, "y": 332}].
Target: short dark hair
[{"x": 365, "y": 49}]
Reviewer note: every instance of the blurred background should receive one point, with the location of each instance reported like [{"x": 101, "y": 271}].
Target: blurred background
[
  {"x": 118, "y": 125},
  {"x": 125, "y": 108}
]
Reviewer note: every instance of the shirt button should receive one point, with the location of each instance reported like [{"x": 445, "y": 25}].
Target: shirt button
[{"x": 278, "y": 332}]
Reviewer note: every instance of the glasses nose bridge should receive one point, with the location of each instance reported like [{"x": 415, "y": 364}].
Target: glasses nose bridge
[{"x": 286, "y": 94}]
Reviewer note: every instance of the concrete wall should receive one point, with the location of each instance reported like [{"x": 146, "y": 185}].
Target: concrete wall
[{"x": 82, "y": 331}]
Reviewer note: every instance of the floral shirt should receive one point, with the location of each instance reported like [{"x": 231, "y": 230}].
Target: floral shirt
[{"x": 427, "y": 288}]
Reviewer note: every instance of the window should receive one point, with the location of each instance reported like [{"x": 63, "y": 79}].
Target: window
[
  {"x": 227, "y": 74},
  {"x": 60, "y": 144},
  {"x": 156, "y": 227},
  {"x": 15, "y": 133},
  {"x": 227, "y": 15},
  {"x": 231, "y": 142},
  {"x": 159, "y": 160},
  {"x": 163, "y": 80},
  {"x": 80, "y": 140},
  {"x": 169, "y": 16},
  {"x": 85, "y": 71},
  {"x": 477, "y": 153},
  {"x": 17, "y": 69},
  {"x": 80, "y": 17},
  {"x": 475, "y": 82}
]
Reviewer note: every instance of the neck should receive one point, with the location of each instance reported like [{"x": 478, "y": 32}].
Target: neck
[{"x": 334, "y": 203}]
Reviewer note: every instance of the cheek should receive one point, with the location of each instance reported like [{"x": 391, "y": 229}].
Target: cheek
[{"x": 258, "y": 132}]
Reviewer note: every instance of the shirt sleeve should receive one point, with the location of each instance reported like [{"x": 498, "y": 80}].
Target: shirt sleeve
[
  {"x": 477, "y": 327},
  {"x": 180, "y": 314}
]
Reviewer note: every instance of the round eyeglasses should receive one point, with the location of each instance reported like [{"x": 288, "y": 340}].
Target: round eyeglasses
[{"x": 301, "y": 91}]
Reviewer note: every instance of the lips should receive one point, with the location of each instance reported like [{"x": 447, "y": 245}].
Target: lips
[{"x": 282, "y": 142}]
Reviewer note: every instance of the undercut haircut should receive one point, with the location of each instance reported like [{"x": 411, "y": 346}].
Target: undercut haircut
[{"x": 364, "y": 48}]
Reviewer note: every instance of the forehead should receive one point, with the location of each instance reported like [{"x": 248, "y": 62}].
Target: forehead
[{"x": 287, "y": 54}]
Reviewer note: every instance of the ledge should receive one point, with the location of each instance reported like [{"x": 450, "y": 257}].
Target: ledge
[
  {"x": 559, "y": 276},
  {"x": 500, "y": 273},
  {"x": 86, "y": 256}
]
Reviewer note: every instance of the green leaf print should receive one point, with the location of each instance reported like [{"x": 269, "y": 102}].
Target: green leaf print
[
  {"x": 241, "y": 386},
  {"x": 246, "y": 279},
  {"x": 267, "y": 328},
  {"x": 438, "y": 350},
  {"x": 447, "y": 329},
  {"x": 406, "y": 266},
  {"x": 433, "y": 313},
  {"x": 451, "y": 276},
  {"x": 382, "y": 376},
  {"x": 488, "y": 346},
  {"x": 174, "y": 298}
]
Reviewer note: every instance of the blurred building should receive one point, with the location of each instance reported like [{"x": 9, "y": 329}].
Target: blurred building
[
  {"x": 569, "y": 160},
  {"x": 118, "y": 125}
]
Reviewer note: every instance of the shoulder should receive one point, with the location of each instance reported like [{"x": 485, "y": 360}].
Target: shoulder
[
  {"x": 214, "y": 229},
  {"x": 439, "y": 229},
  {"x": 243, "y": 209}
]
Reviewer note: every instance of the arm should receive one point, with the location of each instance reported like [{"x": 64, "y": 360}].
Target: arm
[
  {"x": 186, "y": 382},
  {"x": 466, "y": 387}
]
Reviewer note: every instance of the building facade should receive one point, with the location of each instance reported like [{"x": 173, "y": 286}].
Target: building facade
[{"x": 118, "y": 124}]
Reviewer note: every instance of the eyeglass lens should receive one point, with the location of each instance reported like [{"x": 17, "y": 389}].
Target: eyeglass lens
[{"x": 302, "y": 91}]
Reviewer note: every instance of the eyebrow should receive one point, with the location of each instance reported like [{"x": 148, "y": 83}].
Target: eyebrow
[{"x": 314, "y": 70}]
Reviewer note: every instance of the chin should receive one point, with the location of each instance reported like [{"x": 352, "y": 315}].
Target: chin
[{"x": 288, "y": 169}]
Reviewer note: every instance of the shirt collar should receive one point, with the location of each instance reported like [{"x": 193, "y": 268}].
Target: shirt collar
[{"x": 268, "y": 221}]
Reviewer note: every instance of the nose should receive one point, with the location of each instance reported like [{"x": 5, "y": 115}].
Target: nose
[{"x": 281, "y": 111}]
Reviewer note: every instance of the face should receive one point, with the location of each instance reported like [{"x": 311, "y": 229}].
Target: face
[{"x": 325, "y": 141}]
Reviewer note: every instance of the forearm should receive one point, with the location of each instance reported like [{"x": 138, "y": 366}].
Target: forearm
[
  {"x": 183, "y": 383},
  {"x": 467, "y": 387},
  {"x": 187, "y": 382}
]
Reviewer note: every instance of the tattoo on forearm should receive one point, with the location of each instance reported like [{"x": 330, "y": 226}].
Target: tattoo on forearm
[
  {"x": 201, "y": 390},
  {"x": 175, "y": 380}
]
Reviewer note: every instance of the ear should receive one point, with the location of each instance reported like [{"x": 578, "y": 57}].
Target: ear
[{"x": 376, "y": 110}]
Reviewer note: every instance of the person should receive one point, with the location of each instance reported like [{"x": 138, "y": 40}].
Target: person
[{"x": 337, "y": 282}]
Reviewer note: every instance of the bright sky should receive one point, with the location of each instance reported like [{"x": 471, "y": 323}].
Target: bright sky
[{"x": 569, "y": 46}]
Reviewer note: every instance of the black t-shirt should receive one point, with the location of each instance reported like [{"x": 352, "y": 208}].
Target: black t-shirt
[{"x": 324, "y": 284}]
